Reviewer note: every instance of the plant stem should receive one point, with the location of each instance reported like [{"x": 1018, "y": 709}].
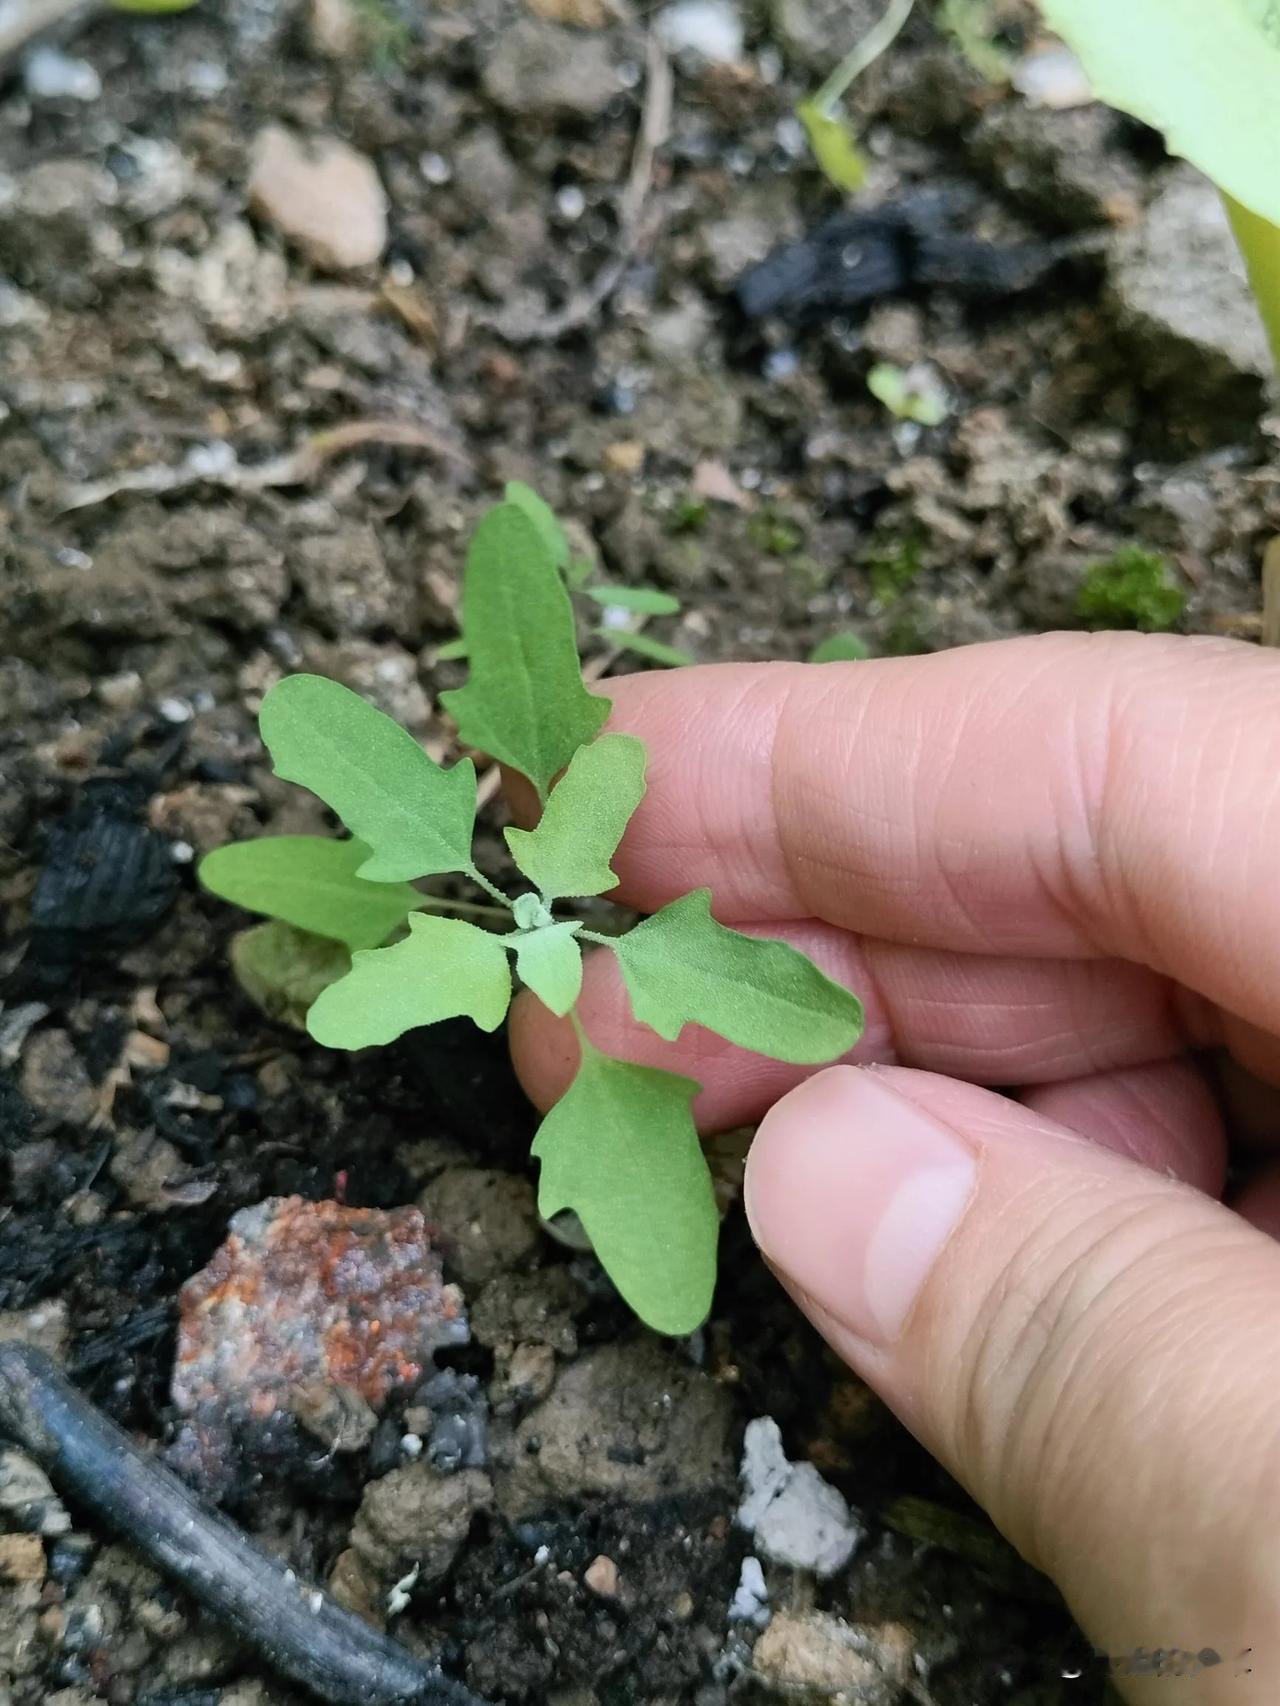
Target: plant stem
[
  {"x": 467, "y": 908},
  {"x": 1259, "y": 242},
  {"x": 481, "y": 881},
  {"x": 863, "y": 53}
]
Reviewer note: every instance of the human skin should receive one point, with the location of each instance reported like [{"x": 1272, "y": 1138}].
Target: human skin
[{"x": 1049, "y": 864}]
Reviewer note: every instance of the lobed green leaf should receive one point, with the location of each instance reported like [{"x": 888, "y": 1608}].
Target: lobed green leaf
[
  {"x": 682, "y": 967},
  {"x": 524, "y": 702},
  {"x": 549, "y": 962},
  {"x": 416, "y": 817},
  {"x": 621, "y": 1151},
  {"x": 444, "y": 968},
  {"x": 1205, "y": 72},
  {"x": 310, "y": 881},
  {"x": 568, "y": 853}
]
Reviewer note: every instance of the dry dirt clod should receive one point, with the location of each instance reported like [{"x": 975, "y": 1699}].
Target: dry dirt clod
[
  {"x": 322, "y": 194},
  {"x": 21, "y": 1558},
  {"x": 813, "y": 1654}
]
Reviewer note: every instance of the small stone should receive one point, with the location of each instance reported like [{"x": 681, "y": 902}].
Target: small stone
[
  {"x": 537, "y": 70},
  {"x": 333, "y": 28},
  {"x": 710, "y": 28},
  {"x": 44, "y": 1326},
  {"x": 601, "y": 1576},
  {"x": 814, "y": 1653},
  {"x": 51, "y": 75},
  {"x": 580, "y": 14},
  {"x": 1052, "y": 76},
  {"x": 750, "y": 1602},
  {"x": 321, "y": 194},
  {"x": 524, "y": 1377},
  {"x": 1180, "y": 292},
  {"x": 27, "y": 1497},
  {"x": 624, "y": 456},
  {"x": 793, "y": 1515},
  {"x": 21, "y": 1558},
  {"x": 121, "y": 692},
  {"x": 1063, "y": 165}
]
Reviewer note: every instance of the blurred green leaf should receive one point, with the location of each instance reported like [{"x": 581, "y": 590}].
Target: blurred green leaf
[
  {"x": 283, "y": 970},
  {"x": 840, "y": 648},
  {"x": 641, "y": 644},
  {"x": 310, "y": 881},
  {"x": 643, "y": 600},
  {"x": 838, "y": 156},
  {"x": 1204, "y": 72}
]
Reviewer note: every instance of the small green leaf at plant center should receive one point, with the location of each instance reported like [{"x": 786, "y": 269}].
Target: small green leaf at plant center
[
  {"x": 682, "y": 967},
  {"x": 621, "y": 1151},
  {"x": 549, "y": 962},
  {"x": 524, "y": 701},
  {"x": 310, "y": 881},
  {"x": 568, "y": 852},
  {"x": 443, "y": 969},
  {"x": 530, "y": 912},
  {"x": 839, "y": 158},
  {"x": 416, "y": 817}
]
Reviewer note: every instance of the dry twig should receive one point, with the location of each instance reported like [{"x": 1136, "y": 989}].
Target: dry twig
[
  {"x": 634, "y": 228},
  {"x": 218, "y": 465}
]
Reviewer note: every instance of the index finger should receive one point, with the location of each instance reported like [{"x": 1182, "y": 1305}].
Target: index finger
[{"x": 1060, "y": 796}]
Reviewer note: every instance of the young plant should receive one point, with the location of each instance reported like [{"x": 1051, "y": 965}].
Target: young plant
[
  {"x": 620, "y": 1148},
  {"x": 1207, "y": 74}
]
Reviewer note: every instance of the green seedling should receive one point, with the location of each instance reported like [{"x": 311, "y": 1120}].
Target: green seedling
[
  {"x": 620, "y": 1148},
  {"x": 830, "y": 135},
  {"x": 152, "y": 5},
  {"x": 913, "y": 394},
  {"x": 840, "y": 648},
  {"x": 1132, "y": 588},
  {"x": 625, "y": 609},
  {"x": 1207, "y": 74}
]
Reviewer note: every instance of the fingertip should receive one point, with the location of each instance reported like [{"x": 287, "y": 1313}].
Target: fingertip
[{"x": 544, "y": 1050}]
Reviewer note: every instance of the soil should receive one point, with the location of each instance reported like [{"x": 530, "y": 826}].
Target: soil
[{"x": 218, "y": 463}]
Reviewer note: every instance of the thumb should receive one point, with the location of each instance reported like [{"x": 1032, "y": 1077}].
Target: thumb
[{"x": 1088, "y": 1346}]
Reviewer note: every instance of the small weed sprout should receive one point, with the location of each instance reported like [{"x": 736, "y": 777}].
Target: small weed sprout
[{"x": 620, "y": 1148}]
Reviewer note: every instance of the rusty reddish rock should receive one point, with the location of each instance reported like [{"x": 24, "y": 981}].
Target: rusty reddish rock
[{"x": 311, "y": 1294}]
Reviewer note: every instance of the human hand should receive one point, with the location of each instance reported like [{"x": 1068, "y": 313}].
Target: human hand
[{"x": 1051, "y": 864}]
